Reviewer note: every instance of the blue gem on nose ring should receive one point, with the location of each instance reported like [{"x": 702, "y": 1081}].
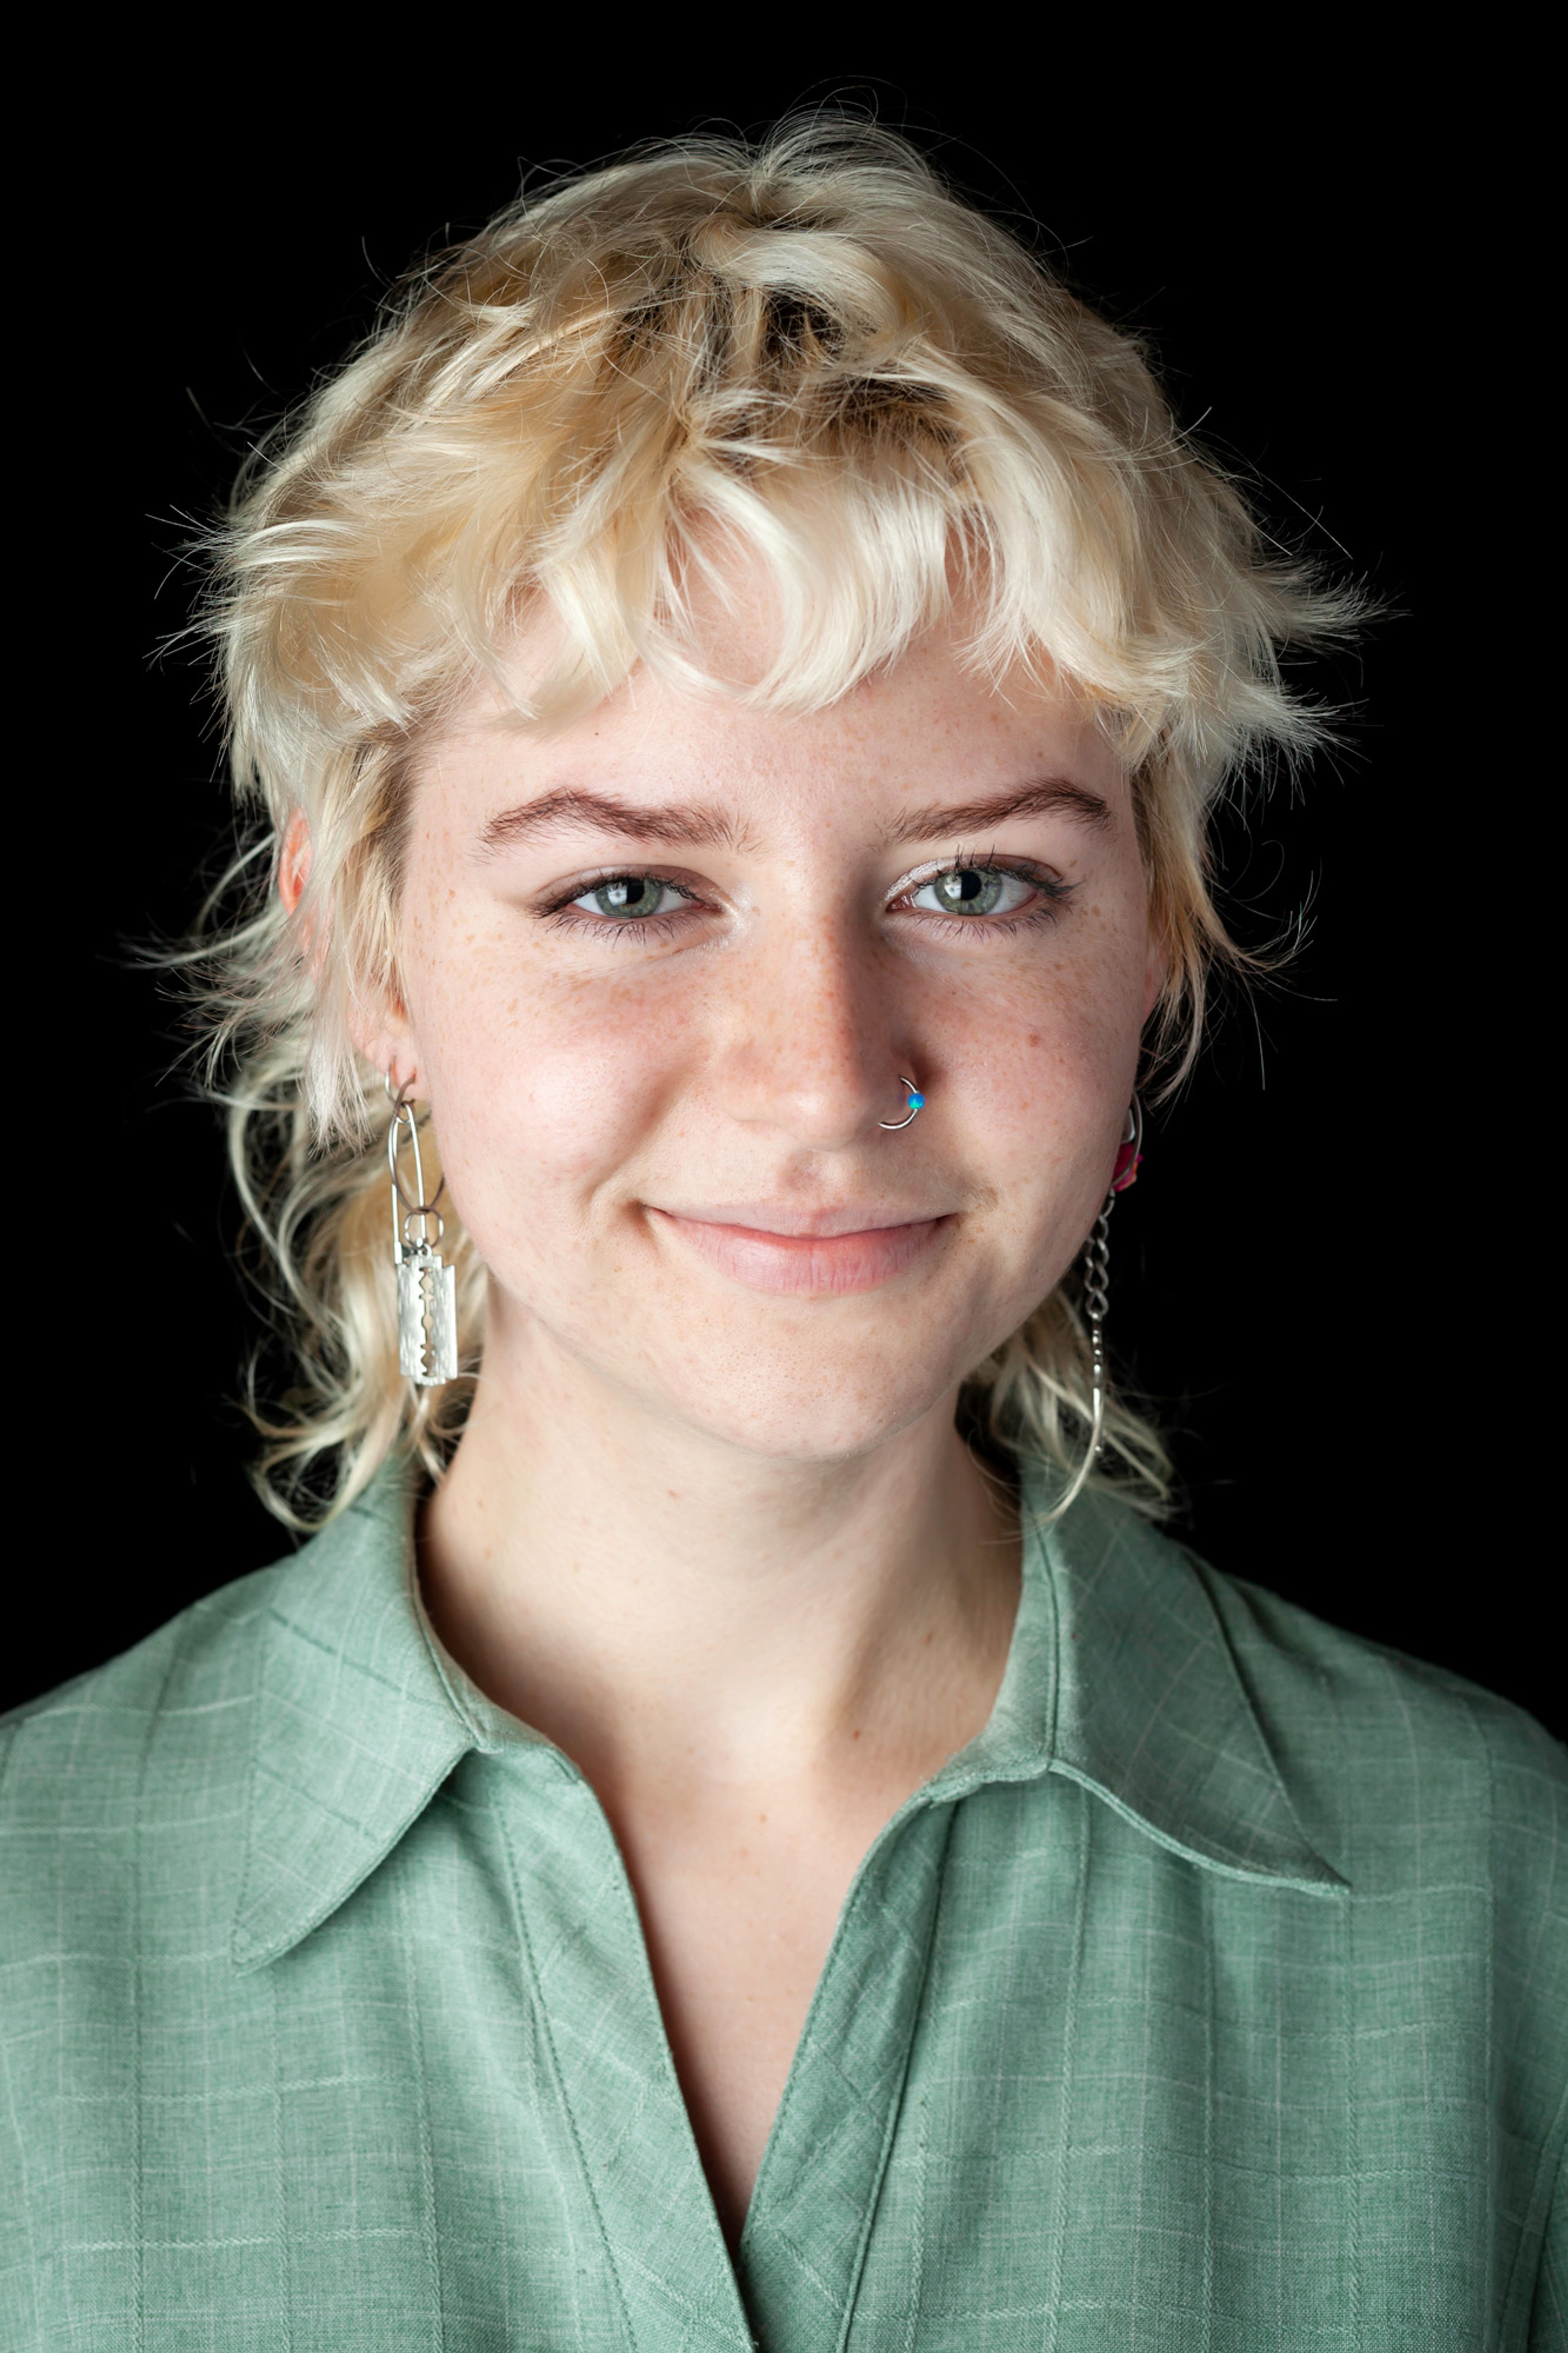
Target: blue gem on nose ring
[{"x": 917, "y": 1104}]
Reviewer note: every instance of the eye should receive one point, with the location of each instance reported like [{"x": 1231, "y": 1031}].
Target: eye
[
  {"x": 974, "y": 890},
  {"x": 628, "y": 898}
]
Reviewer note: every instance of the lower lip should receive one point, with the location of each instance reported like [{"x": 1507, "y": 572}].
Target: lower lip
[{"x": 811, "y": 1266}]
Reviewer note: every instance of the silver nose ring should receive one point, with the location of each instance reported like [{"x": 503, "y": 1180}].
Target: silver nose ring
[{"x": 917, "y": 1105}]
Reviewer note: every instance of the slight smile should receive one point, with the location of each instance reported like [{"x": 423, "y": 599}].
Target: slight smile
[{"x": 819, "y": 1265}]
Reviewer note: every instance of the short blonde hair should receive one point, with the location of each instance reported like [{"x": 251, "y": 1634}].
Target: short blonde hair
[{"x": 809, "y": 355}]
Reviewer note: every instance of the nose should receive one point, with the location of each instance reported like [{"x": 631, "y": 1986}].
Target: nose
[{"x": 813, "y": 1044}]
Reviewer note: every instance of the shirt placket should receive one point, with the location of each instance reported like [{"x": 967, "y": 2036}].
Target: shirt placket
[
  {"x": 585, "y": 1957},
  {"x": 812, "y": 2212}
]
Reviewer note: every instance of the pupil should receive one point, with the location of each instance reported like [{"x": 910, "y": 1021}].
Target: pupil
[
  {"x": 629, "y": 895},
  {"x": 970, "y": 890}
]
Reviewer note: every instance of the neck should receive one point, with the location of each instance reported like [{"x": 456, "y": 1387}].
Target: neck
[{"x": 678, "y": 1613}]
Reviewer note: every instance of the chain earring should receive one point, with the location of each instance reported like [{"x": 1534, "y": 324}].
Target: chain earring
[
  {"x": 427, "y": 1284},
  {"x": 1097, "y": 1298}
]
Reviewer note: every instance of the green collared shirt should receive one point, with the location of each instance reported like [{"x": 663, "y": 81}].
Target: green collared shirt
[{"x": 1214, "y": 1997}]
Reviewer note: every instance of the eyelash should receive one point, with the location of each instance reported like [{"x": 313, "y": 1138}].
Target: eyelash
[
  {"x": 566, "y": 917},
  {"x": 1053, "y": 893}
]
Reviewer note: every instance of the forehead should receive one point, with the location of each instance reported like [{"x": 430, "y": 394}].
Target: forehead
[{"x": 924, "y": 728}]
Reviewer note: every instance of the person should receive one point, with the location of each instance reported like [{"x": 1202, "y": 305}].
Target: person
[{"x": 738, "y": 1828}]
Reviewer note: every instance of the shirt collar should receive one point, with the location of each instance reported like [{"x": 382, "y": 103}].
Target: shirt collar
[
  {"x": 1120, "y": 1678},
  {"x": 355, "y": 1728}
]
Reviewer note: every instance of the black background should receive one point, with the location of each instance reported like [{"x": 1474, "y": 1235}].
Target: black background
[{"x": 1325, "y": 1280}]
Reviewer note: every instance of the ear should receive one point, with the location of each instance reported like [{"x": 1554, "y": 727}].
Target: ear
[
  {"x": 294, "y": 861},
  {"x": 382, "y": 1031},
  {"x": 379, "y": 1027}
]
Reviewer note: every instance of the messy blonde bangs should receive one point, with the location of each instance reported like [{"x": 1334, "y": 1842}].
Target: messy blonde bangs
[{"x": 806, "y": 365}]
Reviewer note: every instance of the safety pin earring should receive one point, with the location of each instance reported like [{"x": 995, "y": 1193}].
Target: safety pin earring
[{"x": 427, "y": 1284}]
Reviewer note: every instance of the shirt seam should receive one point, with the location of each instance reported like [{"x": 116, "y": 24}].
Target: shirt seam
[
  {"x": 896, "y": 2105},
  {"x": 546, "y": 2030}
]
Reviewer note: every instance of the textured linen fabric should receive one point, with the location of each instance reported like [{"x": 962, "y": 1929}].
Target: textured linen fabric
[{"x": 1214, "y": 1997}]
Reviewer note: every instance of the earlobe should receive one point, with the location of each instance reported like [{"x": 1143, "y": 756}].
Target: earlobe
[
  {"x": 381, "y": 1035},
  {"x": 378, "y": 1023}
]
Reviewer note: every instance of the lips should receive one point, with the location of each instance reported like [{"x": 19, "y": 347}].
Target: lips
[{"x": 832, "y": 1260}]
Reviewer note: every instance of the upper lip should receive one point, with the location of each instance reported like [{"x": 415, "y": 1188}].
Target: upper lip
[{"x": 819, "y": 1225}]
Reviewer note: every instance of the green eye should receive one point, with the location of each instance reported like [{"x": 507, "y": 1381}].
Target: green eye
[
  {"x": 971, "y": 891},
  {"x": 625, "y": 897}
]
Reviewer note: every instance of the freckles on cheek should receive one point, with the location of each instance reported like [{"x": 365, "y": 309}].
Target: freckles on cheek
[
  {"x": 1044, "y": 1081},
  {"x": 538, "y": 1104},
  {"x": 1034, "y": 1071}
]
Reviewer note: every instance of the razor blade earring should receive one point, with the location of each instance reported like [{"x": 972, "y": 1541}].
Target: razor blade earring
[
  {"x": 427, "y": 1284},
  {"x": 917, "y": 1104},
  {"x": 1097, "y": 1298}
]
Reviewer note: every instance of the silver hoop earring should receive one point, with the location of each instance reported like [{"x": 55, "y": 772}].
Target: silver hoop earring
[
  {"x": 1097, "y": 1300},
  {"x": 427, "y": 1284},
  {"x": 917, "y": 1104}
]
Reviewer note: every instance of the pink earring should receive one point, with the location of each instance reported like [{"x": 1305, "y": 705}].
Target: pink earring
[{"x": 1129, "y": 1152}]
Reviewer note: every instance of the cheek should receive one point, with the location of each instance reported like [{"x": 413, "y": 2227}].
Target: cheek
[
  {"x": 1048, "y": 1067},
  {"x": 1044, "y": 1079},
  {"x": 538, "y": 1094}
]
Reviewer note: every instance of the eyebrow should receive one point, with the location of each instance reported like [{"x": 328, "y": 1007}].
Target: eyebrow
[
  {"x": 675, "y": 822},
  {"x": 684, "y": 825},
  {"x": 1050, "y": 797}
]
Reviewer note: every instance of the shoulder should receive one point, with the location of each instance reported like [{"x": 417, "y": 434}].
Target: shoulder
[
  {"x": 1204, "y": 1695},
  {"x": 174, "y": 1711},
  {"x": 181, "y": 1704},
  {"x": 1444, "y": 1809},
  {"x": 1332, "y": 1705},
  {"x": 143, "y": 1801},
  {"x": 1400, "y": 1732},
  {"x": 124, "y": 1797},
  {"x": 1439, "y": 1810},
  {"x": 1427, "y": 1793}
]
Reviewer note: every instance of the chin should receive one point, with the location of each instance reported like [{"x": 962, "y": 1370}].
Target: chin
[
  {"x": 829, "y": 1384},
  {"x": 826, "y": 1410}
]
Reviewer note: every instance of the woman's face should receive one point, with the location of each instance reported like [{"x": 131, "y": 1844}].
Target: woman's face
[{"x": 663, "y": 973}]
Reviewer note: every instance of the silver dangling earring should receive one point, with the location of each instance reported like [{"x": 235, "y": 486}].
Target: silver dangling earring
[
  {"x": 427, "y": 1284},
  {"x": 1097, "y": 1300}
]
